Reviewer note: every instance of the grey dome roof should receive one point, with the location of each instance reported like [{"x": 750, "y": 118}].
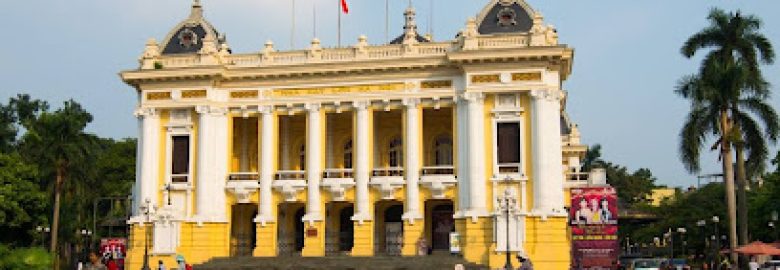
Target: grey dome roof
[
  {"x": 187, "y": 36},
  {"x": 505, "y": 16}
]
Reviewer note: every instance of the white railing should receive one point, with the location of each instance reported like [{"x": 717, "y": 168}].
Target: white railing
[
  {"x": 290, "y": 175},
  {"x": 180, "y": 178},
  {"x": 509, "y": 168},
  {"x": 391, "y": 171},
  {"x": 577, "y": 176},
  {"x": 337, "y": 173},
  {"x": 244, "y": 176},
  {"x": 341, "y": 54},
  {"x": 503, "y": 41},
  {"x": 438, "y": 170}
]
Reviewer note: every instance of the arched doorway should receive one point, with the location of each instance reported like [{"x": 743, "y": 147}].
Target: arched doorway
[
  {"x": 394, "y": 229},
  {"x": 289, "y": 234},
  {"x": 442, "y": 224},
  {"x": 298, "y": 219}
]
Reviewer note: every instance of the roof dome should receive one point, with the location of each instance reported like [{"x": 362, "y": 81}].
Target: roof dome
[
  {"x": 505, "y": 16},
  {"x": 188, "y": 36}
]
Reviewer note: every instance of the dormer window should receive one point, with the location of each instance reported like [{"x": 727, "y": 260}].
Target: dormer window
[{"x": 507, "y": 17}]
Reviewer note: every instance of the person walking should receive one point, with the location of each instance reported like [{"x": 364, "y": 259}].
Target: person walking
[
  {"x": 94, "y": 263},
  {"x": 160, "y": 265},
  {"x": 182, "y": 264},
  {"x": 525, "y": 262}
]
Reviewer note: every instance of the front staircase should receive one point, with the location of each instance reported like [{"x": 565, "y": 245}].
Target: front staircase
[{"x": 433, "y": 262}]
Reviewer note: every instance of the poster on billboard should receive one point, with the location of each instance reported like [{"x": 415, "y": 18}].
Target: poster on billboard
[
  {"x": 594, "y": 227},
  {"x": 115, "y": 248}
]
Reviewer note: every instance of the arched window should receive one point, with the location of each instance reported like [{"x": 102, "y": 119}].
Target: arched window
[
  {"x": 302, "y": 157},
  {"x": 348, "y": 155},
  {"x": 396, "y": 153},
  {"x": 443, "y": 150}
]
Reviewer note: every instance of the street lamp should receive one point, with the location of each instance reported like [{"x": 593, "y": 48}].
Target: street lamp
[
  {"x": 682, "y": 232},
  {"x": 146, "y": 208},
  {"x": 43, "y": 231},
  {"x": 507, "y": 204},
  {"x": 715, "y": 221},
  {"x": 773, "y": 224},
  {"x": 85, "y": 239}
]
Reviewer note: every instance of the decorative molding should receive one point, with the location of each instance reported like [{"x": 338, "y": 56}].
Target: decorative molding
[
  {"x": 158, "y": 96},
  {"x": 242, "y": 190},
  {"x": 527, "y": 77},
  {"x": 146, "y": 112},
  {"x": 338, "y": 90},
  {"x": 190, "y": 94},
  {"x": 485, "y": 78},
  {"x": 549, "y": 95},
  {"x": 248, "y": 94},
  {"x": 436, "y": 84}
]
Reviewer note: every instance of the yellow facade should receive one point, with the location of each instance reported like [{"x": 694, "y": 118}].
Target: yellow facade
[{"x": 360, "y": 151}]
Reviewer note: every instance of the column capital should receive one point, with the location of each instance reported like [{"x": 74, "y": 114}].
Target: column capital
[
  {"x": 268, "y": 109},
  {"x": 473, "y": 97},
  {"x": 312, "y": 107},
  {"x": 145, "y": 112},
  {"x": 361, "y": 104},
  {"x": 411, "y": 102},
  {"x": 549, "y": 95},
  {"x": 212, "y": 110}
]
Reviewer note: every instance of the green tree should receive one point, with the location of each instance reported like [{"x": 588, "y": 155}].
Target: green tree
[
  {"x": 734, "y": 42},
  {"x": 22, "y": 202},
  {"x": 632, "y": 187},
  {"x": 57, "y": 141}
]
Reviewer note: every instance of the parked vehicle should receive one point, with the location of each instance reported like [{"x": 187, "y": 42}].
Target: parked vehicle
[
  {"x": 771, "y": 265},
  {"x": 679, "y": 264}
]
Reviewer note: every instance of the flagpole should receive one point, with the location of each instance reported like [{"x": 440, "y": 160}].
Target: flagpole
[
  {"x": 292, "y": 30},
  {"x": 314, "y": 24},
  {"x": 339, "y": 10},
  {"x": 387, "y": 21}
]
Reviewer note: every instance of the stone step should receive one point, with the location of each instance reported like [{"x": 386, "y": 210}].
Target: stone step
[{"x": 434, "y": 262}]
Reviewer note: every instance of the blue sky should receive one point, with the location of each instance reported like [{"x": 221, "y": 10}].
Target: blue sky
[{"x": 626, "y": 56}]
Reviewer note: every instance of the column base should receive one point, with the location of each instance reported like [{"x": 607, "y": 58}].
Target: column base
[
  {"x": 314, "y": 239},
  {"x": 264, "y": 220},
  {"x": 413, "y": 233},
  {"x": 266, "y": 240},
  {"x": 363, "y": 239},
  {"x": 412, "y": 216}
]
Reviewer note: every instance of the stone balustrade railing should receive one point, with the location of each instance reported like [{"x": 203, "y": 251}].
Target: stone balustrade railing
[{"x": 270, "y": 57}]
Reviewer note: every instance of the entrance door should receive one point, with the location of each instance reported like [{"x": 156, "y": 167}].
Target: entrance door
[
  {"x": 443, "y": 225},
  {"x": 299, "y": 229},
  {"x": 242, "y": 230},
  {"x": 346, "y": 229},
  {"x": 394, "y": 230}
]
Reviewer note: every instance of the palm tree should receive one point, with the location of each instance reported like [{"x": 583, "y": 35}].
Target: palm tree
[
  {"x": 736, "y": 38},
  {"x": 57, "y": 141}
]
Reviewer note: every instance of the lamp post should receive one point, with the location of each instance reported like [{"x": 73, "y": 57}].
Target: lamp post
[
  {"x": 146, "y": 208},
  {"x": 85, "y": 239},
  {"x": 683, "y": 242},
  {"x": 773, "y": 225},
  {"x": 507, "y": 204},
  {"x": 716, "y": 221},
  {"x": 43, "y": 231}
]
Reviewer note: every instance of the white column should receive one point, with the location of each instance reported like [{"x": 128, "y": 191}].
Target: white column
[
  {"x": 547, "y": 157},
  {"x": 476, "y": 154},
  {"x": 210, "y": 198},
  {"x": 221, "y": 161},
  {"x": 463, "y": 157},
  {"x": 265, "y": 213},
  {"x": 147, "y": 169},
  {"x": 412, "y": 159},
  {"x": 360, "y": 157},
  {"x": 313, "y": 162}
]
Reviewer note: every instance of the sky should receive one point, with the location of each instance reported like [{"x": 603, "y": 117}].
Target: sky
[{"x": 626, "y": 65}]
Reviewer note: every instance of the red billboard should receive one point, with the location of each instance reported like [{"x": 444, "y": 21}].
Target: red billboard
[
  {"x": 115, "y": 248},
  {"x": 594, "y": 227}
]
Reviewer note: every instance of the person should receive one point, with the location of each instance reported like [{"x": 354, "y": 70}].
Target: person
[
  {"x": 111, "y": 263},
  {"x": 160, "y": 265},
  {"x": 584, "y": 214},
  {"x": 182, "y": 264},
  {"x": 753, "y": 265},
  {"x": 606, "y": 215},
  {"x": 94, "y": 263},
  {"x": 525, "y": 262}
]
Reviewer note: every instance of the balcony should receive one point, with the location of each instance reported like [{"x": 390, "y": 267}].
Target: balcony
[
  {"x": 242, "y": 185},
  {"x": 510, "y": 172},
  {"x": 438, "y": 179},
  {"x": 244, "y": 176},
  {"x": 596, "y": 177},
  {"x": 387, "y": 180},
  {"x": 290, "y": 183},
  {"x": 338, "y": 181}
]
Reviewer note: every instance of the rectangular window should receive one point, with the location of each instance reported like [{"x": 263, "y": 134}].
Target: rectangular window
[
  {"x": 180, "y": 158},
  {"x": 508, "y": 143}
]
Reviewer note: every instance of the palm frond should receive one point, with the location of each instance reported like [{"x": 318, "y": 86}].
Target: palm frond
[{"x": 766, "y": 115}]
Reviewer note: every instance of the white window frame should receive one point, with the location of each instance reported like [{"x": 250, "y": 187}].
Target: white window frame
[
  {"x": 505, "y": 115},
  {"x": 174, "y": 129}
]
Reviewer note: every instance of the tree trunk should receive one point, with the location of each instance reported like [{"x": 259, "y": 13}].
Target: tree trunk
[
  {"x": 742, "y": 208},
  {"x": 55, "y": 225},
  {"x": 728, "y": 180}
]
